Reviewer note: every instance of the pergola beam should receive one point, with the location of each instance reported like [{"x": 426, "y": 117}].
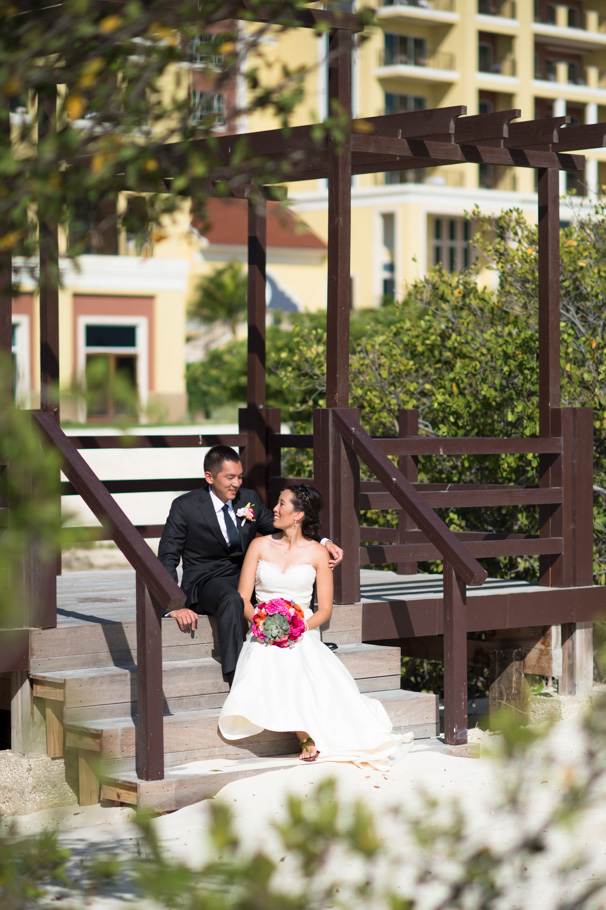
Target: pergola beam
[
  {"x": 442, "y": 152},
  {"x": 535, "y": 132},
  {"x": 485, "y": 127}
]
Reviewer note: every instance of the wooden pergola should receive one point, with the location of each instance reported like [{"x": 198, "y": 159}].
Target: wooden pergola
[{"x": 421, "y": 139}]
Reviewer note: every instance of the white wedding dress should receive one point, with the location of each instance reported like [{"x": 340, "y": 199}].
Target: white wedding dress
[{"x": 306, "y": 687}]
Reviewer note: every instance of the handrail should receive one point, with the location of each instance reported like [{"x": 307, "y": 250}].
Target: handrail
[
  {"x": 453, "y": 552},
  {"x": 84, "y": 480},
  {"x": 155, "y": 591}
]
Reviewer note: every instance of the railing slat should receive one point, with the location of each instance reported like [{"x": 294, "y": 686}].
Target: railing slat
[
  {"x": 449, "y": 499},
  {"x": 126, "y": 441},
  {"x": 480, "y": 549},
  {"x": 470, "y": 445}
]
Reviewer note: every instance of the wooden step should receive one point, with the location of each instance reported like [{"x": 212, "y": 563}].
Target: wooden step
[
  {"x": 113, "y": 686},
  {"x": 110, "y": 644},
  {"x": 184, "y": 785},
  {"x": 196, "y": 734},
  {"x": 191, "y": 776}
]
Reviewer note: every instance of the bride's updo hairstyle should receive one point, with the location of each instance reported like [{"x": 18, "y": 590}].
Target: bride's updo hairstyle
[{"x": 306, "y": 498}]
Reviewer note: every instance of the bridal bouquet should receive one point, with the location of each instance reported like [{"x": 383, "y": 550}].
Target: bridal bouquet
[{"x": 278, "y": 622}]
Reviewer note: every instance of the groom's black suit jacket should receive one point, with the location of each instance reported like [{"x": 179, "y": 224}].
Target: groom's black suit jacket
[{"x": 192, "y": 533}]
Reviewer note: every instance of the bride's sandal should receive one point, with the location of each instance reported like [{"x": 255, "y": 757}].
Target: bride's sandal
[{"x": 307, "y": 745}]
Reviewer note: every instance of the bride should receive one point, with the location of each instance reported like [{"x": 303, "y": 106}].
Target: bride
[{"x": 305, "y": 687}]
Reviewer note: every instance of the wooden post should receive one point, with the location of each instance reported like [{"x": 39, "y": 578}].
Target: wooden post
[
  {"x": 549, "y": 345},
  {"x": 408, "y": 425},
  {"x": 273, "y": 418},
  {"x": 49, "y": 273},
  {"x": 337, "y": 474},
  {"x": 577, "y": 638},
  {"x": 252, "y": 419},
  {"x": 150, "y": 722},
  {"x": 36, "y": 577},
  {"x": 28, "y": 736},
  {"x": 339, "y": 225},
  {"x": 508, "y": 688},
  {"x": 455, "y": 658}
]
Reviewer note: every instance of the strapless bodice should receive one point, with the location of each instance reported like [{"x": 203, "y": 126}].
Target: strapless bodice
[{"x": 294, "y": 583}]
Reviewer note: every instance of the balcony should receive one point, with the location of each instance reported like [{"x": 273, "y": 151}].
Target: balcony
[
  {"x": 504, "y": 67},
  {"x": 585, "y": 31},
  {"x": 569, "y": 79},
  {"x": 426, "y": 12},
  {"x": 504, "y": 9},
  {"x": 436, "y": 66},
  {"x": 562, "y": 72}
]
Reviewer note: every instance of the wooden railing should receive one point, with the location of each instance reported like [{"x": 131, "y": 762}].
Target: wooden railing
[
  {"x": 563, "y": 496},
  {"x": 156, "y": 592}
]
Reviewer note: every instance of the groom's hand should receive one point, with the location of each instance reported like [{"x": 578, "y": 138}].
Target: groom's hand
[
  {"x": 335, "y": 554},
  {"x": 186, "y": 619}
]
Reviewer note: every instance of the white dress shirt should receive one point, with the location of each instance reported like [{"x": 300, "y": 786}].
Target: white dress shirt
[{"x": 218, "y": 504}]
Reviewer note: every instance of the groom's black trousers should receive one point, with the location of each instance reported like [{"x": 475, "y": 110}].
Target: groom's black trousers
[{"x": 219, "y": 598}]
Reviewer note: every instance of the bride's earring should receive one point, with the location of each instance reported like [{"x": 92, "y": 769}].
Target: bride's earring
[{"x": 295, "y": 522}]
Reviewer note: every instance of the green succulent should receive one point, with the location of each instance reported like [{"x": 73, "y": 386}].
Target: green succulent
[{"x": 276, "y": 626}]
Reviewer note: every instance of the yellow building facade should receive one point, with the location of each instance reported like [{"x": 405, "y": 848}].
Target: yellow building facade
[
  {"x": 545, "y": 59},
  {"x": 123, "y": 311}
]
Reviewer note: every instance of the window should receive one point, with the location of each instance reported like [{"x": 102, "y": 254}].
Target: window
[
  {"x": 399, "y": 104},
  {"x": 412, "y": 175},
  {"x": 450, "y": 243},
  {"x": 486, "y": 176},
  {"x": 207, "y": 106},
  {"x": 93, "y": 228},
  {"x": 404, "y": 49},
  {"x": 137, "y": 231},
  {"x": 202, "y": 50},
  {"x": 388, "y": 253},
  {"x": 113, "y": 366},
  {"x": 574, "y": 17},
  {"x": 485, "y": 57},
  {"x": 551, "y": 70}
]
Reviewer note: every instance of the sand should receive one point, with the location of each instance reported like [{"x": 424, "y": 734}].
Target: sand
[{"x": 433, "y": 790}]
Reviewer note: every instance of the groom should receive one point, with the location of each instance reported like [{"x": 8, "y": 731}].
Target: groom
[{"x": 209, "y": 530}]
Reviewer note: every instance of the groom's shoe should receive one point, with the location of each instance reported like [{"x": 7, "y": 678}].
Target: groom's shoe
[{"x": 331, "y": 645}]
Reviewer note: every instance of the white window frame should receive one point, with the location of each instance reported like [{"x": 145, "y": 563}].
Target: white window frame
[
  {"x": 201, "y": 111},
  {"x": 458, "y": 245},
  {"x": 140, "y": 349},
  {"x": 21, "y": 350},
  {"x": 379, "y": 253}
]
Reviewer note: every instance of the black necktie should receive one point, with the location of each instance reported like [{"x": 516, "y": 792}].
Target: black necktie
[{"x": 232, "y": 534}]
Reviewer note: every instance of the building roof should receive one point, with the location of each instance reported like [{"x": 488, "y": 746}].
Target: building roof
[{"x": 226, "y": 222}]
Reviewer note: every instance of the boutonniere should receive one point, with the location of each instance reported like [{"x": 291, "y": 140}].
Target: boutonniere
[{"x": 246, "y": 513}]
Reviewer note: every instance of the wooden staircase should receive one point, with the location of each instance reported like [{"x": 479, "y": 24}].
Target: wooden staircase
[{"x": 84, "y": 671}]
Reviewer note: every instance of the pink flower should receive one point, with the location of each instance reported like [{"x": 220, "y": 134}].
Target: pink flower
[{"x": 277, "y": 605}]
